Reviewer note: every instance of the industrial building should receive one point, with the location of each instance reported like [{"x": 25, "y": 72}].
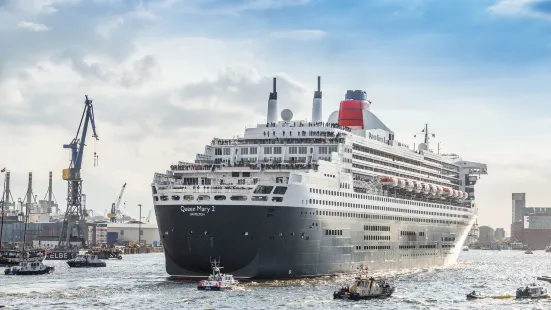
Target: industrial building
[{"x": 128, "y": 232}]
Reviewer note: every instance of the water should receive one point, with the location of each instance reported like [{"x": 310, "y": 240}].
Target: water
[{"x": 140, "y": 282}]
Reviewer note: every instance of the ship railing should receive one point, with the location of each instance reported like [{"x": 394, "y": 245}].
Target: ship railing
[{"x": 212, "y": 190}]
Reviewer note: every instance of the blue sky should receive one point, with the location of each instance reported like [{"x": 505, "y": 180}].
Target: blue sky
[{"x": 168, "y": 75}]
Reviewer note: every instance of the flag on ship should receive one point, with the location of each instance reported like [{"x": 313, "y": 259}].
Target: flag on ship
[{"x": 3, "y": 170}]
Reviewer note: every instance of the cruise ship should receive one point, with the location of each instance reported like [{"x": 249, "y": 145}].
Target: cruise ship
[{"x": 300, "y": 198}]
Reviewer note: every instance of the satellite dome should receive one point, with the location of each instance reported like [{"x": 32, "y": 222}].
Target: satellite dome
[
  {"x": 334, "y": 117},
  {"x": 286, "y": 115}
]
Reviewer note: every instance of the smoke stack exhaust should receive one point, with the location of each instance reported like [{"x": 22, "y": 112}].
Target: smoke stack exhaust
[
  {"x": 272, "y": 105},
  {"x": 316, "y": 105}
]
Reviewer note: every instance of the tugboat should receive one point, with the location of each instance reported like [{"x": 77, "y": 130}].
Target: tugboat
[
  {"x": 28, "y": 268},
  {"x": 365, "y": 287},
  {"x": 217, "y": 281},
  {"x": 532, "y": 291},
  {"x": 86, "y": 260}
]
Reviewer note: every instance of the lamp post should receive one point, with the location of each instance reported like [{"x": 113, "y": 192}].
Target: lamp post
[{"x": 140, "y": 227}]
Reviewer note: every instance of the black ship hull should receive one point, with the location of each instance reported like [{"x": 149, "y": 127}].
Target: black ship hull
[
  {"x": 290, "y": 242},
  {"x": 13, "y": 272}
]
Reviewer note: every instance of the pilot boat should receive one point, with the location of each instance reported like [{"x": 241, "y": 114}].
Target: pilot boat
[
  {"x": 365, "y": 287},
  {"x": 217, "y": 281},
  {"x": 532, "y": 291},
  {"x": 86, "y": 260},
  {"x": 29, "y": 268}
]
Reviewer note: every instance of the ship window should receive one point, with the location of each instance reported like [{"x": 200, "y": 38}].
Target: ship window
[
  {"x": 277, "y": 199},
  {"x": 280, "y": 190},
  {"x": 175, "y": 197},
  {"x": 164, "y": 198},
  {"x": 188, "y": 197},
  {"x": 156, "y": 198},
  {"x": 219, "y": 197},
  {"x": 203, "y": 197},
  {"x": 262, "y": 189},
  {"x": 259, "y": 198},
  {"x": 238, "y": 198}
]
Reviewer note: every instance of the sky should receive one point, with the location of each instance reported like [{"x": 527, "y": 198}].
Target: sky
[{"x": 166, "y": 76}]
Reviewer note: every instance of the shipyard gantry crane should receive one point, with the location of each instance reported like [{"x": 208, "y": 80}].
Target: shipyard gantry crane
[
  {"x": 74, "y": 223},
  {"x": 115, "y": 211}
]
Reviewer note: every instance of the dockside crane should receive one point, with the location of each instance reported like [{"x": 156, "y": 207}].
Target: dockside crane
[
  {"x": 75, "y": 221},
  {"x": 115, "y": 211}
]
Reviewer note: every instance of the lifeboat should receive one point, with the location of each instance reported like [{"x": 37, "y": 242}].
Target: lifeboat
[
  {"x": 448, "y": 192},
  {"x": 388, "y": 181},
  {"x": 401, "y": 183},
  {"x": 417, "y": 187},
  {"x": 455, "y": 193},
  {"x": 439, "y": 190},
  {"x": 465, "y": 195}
]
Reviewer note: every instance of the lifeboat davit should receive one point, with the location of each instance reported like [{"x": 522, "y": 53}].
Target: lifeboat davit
[
  {"x": 426, "y": 188},
  {"x": 401, "y": 183},
  {"x": 432, "y": 190},
  {"x": 465, "y": 195},
  {"x": 417, "y": 187},
  {"x": 448, "y": 192},
  {"x": 409, "y": 185},
  {"x": 388, "y": 181}
]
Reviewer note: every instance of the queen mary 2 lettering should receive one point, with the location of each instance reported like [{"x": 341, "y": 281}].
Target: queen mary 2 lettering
[{"x": 295, "y": 198}]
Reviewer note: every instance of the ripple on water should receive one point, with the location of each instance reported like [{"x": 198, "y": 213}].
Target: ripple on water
[{"x": 140, "y": 282}]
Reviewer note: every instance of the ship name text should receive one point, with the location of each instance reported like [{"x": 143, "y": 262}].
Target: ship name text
[{"x": 197, "y": 211}]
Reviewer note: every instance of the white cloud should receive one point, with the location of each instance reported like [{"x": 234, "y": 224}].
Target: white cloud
[
  {"x": 37, "y": 6},
  {"x": 33, "y": 26},
  {"x": 523, "y": 8},
  {"x": 299, "y": 34}
]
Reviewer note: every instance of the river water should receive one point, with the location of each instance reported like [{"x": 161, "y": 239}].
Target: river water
[{"x": 140, "y": 282}]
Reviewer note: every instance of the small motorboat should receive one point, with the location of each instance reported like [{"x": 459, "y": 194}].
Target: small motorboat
[
  {"x": 548, "y": 248},
  {"x": 532, "y": 291},
  {"x": 474, "y": 295},
  {"x": 365, "y": 287},
  {"x": 86, "y": 260},
  {"x": 29, "y": 268},
  {"x": 465, "y": 248},
  {"x": 217, "y": 281},
  {"x": 528, "y": 252}
]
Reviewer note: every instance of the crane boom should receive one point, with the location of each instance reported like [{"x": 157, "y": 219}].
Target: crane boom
[{"x": 115, "y": 211}]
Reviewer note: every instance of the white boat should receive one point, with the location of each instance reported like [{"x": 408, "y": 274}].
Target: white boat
[
  {"x": 86, "y": 260},
  {"x": 365, "y": 287},
  {"x": 29, "y": 268},
  {"x": 528, "y": 252},
  {"x": 217, "y": 281},
  {"x": 532, "y": 291},
  {"x": 548, "y": 248},
  {"x": 465, "y": 248}
]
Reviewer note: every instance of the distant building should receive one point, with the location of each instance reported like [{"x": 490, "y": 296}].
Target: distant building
[
  {"x": 500, "y": 234},
  {"x": 519, "y": 204},
  {"x": 518, "y": 211},
  {"x": 487, "y": 235},
  {"x": 473, "y": 236}
]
